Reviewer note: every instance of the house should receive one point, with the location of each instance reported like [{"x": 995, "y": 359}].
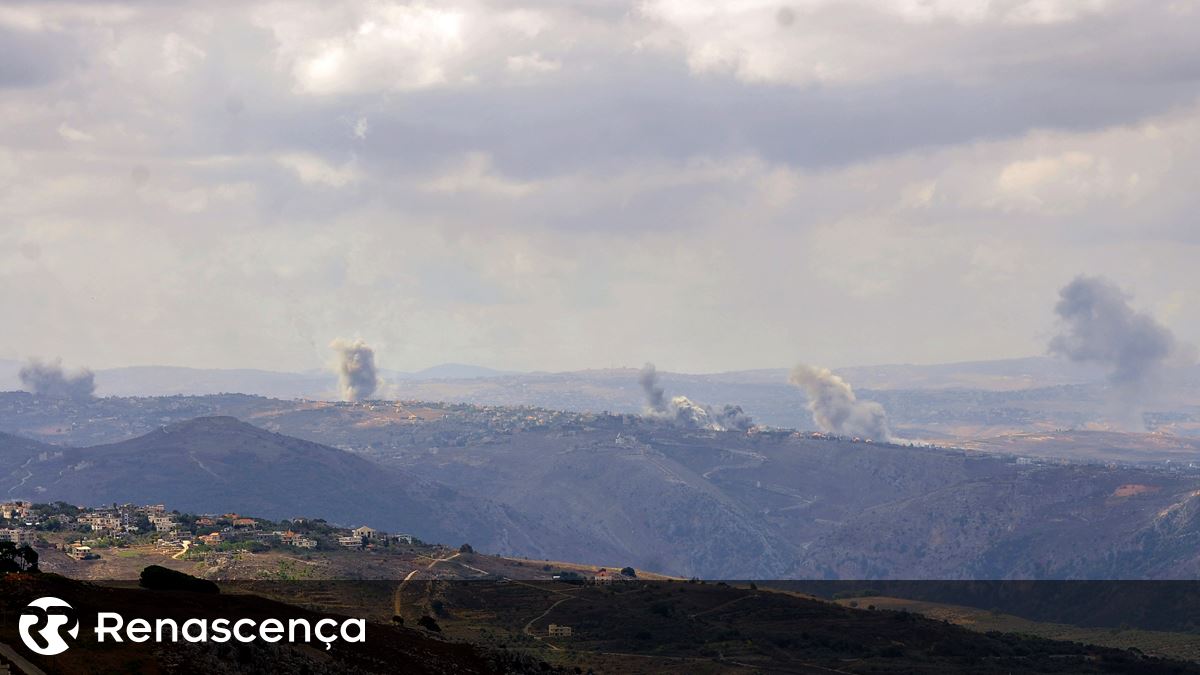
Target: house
[
  {"x": 364, "y": 532},
  {"x": 205, "y": 521},
  {"x": 304, "y": 542},
  {"x": 163, "y": 523},
  {"x": 14, "y": 510},
  {"x": 607, "y": 576},
  {"x": 210, "y": 539},
  {"x": 81, "y": 552},
  {"x": 244, "y": 522},
  {"x": 100, "y": 521},
  {"x": 403, "y": 538},
  {"x": 17, "y": 536},
  {"x": 556, "y": 630},
  {"x": 350, "y": 541}
]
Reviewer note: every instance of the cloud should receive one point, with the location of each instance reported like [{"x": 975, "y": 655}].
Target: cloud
[
  {"x": 532, "y": 63},
  {"x": 313, "y": 170},
  {"x": 476, "y": 174},
  {"x": 72, "y": 134},
  {"x": 890, "y": 159}
]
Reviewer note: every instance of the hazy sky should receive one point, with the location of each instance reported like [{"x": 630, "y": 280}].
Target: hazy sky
[{"x": 557, "y": 185}]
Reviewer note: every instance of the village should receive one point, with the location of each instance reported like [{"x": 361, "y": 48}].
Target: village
[{"x": 85, "y": 533}]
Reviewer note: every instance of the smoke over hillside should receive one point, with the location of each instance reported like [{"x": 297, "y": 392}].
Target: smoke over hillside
[
  {"x": 834, "y": 407},
  {"x": 49, "y": 379},
  {"x": 1099, "y": 326},
  {"x": 357, "y": 377},
  {"x": 684, "y": 412}
]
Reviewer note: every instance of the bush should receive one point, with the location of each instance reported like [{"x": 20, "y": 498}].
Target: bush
[{"x": 427, "y": 622}]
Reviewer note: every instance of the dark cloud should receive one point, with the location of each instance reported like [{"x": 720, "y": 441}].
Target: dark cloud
[{"x": 34, "y": 59}]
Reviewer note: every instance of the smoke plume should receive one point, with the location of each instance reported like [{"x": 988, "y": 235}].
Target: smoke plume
[
  {"x": 1100, "y": 327},
  {"x": 357, "y": 378},
  {"x": 834, "y": 407},
  {"x": 49, "y": 379},
  {"x": 684, "y": 412},
  {"x": 656, "y": 398}
]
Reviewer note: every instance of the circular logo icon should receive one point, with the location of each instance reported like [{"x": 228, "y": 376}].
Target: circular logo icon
[{"x": 43, "y": 623}]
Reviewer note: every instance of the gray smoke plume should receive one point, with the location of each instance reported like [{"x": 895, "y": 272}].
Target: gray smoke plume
[
  {"x": 49, "y": 379},
  {"x": 1099, "y": 326},
  {"x": 357, "y": 378},
  {"x": 684, "y": 412},
  {"x": 656, "y": 398},
  {"x": 834, "y": 407}
]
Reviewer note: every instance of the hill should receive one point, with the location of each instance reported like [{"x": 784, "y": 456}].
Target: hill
[
  {"x": 678, "y": 627},
  {"x": 218, "y": 464},
  {"x": 620, "y": 488}
]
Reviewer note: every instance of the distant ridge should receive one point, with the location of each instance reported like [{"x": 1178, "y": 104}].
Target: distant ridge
[
  {"x": 454, "y": 371},
  {"x": 219, "y": 464}
]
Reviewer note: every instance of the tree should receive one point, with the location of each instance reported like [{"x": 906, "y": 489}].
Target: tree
[
  {"x": 628, "y": 572},
  {"x": 428, "y": 623},
  {"x": 15, "y": 559}
]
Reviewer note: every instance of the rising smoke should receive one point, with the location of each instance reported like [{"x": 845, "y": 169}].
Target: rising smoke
[
  {"x": 49, "y": 379},
  {"x": 1100, "y": 327},
  {"x": 357, "y": 378},
  {"x": 683, "y": 412},
  {"x": 834, "y": 407}
]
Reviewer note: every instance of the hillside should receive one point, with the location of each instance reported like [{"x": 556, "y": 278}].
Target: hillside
[
  {"x": 678, "y": 627},
  {"x": 219, "y": 464},
  {"x": 779, "y": 505},
  {"x": 386, "y": 646},
  {"x": 501, "y": 626},
  {"x": 619, "y": 488}
]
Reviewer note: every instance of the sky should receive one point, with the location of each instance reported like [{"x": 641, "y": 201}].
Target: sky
[{"x": 709, "y": 185}]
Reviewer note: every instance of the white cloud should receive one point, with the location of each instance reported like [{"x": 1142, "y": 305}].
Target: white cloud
[
  {"x": 369, "y": 47},
  {"x": 313, "y": 170},
  {"x": 829, "y": 41},
  {"x": 475, "y": 174},
  {"x": 72, "y": 134},
  {"x": 532, "y": 63}
]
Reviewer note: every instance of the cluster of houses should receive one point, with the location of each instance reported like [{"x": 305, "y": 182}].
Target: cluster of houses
[
  {"x": 173, "y": 531},
  {"x": 213, "y": 531},
  {"x": 21, "y": 512}
]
